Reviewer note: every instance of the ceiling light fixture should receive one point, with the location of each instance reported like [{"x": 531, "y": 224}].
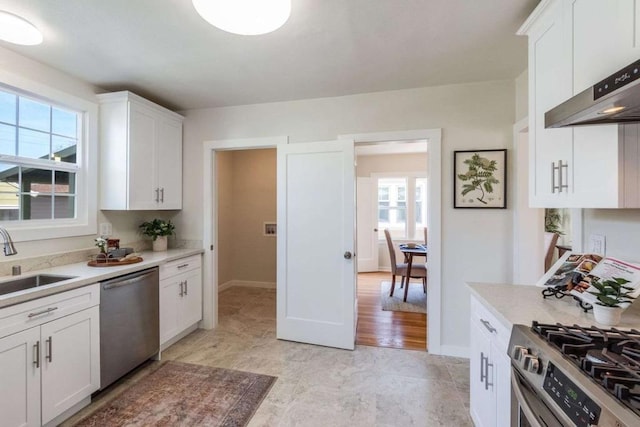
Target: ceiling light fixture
[
  {"x": 15, "y": 29},
  {"x": 245, "y": 17}
]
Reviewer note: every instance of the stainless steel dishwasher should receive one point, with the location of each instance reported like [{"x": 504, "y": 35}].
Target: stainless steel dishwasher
[{"x": 129, "y": 323}]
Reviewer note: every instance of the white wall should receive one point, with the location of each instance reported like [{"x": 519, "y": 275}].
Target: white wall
[
  {"x": 522, "y": 95},
  {"x": 477, "y": 244},
  {"x": 621, "y": 228}
]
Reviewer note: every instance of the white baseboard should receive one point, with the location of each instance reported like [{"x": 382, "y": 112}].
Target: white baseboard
[
  {"x": 455, "y": 351},
  {"x": 246, "y": 283}
]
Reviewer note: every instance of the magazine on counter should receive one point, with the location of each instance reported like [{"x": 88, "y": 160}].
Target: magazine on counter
[{"x": 574, "y": 272}]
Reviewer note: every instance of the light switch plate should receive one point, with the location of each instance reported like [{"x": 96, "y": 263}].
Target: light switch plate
[
  {"x": 105, "y": 229},
  {"x": 597, "y": 244}
]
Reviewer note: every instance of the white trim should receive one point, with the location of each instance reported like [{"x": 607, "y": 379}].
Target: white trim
[
  {"x": 210, "y": 217},
  {"x": 434, "y": 221},
  {"x": 86, "y": 222},
  {"x": 246, "y": 284},
  {"x": 533, "y": 17},
  {"x": 577, "y": 230}
]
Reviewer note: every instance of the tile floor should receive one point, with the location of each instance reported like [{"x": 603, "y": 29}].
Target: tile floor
[{"x": 319, "y": 386}]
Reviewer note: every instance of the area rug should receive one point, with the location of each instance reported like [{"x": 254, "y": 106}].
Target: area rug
[
  {"x": 182, "y": 394},
  {"x": 416, "y": 300}
]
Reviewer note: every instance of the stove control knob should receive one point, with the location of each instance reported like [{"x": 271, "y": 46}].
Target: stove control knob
[
  {"x": 531, "y": 364},
  {"x": 519, "y": 352}
]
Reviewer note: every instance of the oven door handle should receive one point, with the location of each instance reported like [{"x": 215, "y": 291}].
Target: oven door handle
[{"x": 522, "y": 402}]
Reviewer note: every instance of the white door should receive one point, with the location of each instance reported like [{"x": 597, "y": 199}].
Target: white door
[
  {"x": 366, "y": 225},
  {"x": 316, "y": 240}
]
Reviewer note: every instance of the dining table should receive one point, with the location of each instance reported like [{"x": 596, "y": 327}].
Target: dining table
[{"x": 410, "y": 250}]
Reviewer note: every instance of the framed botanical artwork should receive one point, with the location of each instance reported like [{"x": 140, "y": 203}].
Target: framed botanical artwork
[{"x": 480, "y": 179}]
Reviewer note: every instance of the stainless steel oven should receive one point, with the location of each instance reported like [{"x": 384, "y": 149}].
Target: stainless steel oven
[{"x": 557, "y": 378}]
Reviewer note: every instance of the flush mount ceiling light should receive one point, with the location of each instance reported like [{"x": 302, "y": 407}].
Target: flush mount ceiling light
[
  {"x": 15, "y": 29},
  {"x": 246, "y": 17}
]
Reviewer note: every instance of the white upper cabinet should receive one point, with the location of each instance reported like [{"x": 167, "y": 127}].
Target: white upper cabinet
[
  {"x": 141, "y": 154},
  {"x": 573, "y": 45}
]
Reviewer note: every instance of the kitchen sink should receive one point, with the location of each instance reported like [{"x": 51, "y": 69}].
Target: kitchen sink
[{"x": 23, "y": 283}]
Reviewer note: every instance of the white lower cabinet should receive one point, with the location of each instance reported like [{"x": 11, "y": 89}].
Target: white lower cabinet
[
  {"x": 490, "y": 369},
  {"x": 180, "y": 296},
  {"x": 51, "y": 366}
]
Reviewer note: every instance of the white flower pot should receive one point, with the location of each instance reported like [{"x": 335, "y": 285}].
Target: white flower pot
[
  {"x": 609, "y": 316},
  {"x": 160, "y": 244}
]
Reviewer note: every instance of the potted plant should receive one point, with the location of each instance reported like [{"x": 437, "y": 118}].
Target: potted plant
[
  {"x": 158, "y": 230},
  {"x": 612, "y": 298}
]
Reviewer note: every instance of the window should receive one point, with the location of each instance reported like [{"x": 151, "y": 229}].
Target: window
[
  {"x": 402, "y": 207},
  {"x": 47, "y": 186}
]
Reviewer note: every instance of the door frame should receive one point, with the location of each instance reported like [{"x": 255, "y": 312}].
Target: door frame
[
  {"x": 434, "y": 219},
  {"x": 210, "y": 216}
]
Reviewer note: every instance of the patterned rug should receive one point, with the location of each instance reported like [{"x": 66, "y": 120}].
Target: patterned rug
[
  {"x": 416, "y": 300},
  {"x": 182, "y": 394}
]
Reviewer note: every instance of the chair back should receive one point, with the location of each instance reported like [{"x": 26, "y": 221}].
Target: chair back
[
  {"x": 550, "y": 240},
  {"x": 392, "y": 251}
]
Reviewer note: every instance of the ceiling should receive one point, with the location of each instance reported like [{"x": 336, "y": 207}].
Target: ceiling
[{"x": 163, "y": 50}]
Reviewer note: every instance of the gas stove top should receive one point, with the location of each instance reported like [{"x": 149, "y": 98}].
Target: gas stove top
[
  {"x": 610, "y": 357},
  {"x": 585, "y": 376}
]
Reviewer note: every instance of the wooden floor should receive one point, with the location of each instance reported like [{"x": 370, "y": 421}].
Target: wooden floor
[{"x": 386, "y": 328}]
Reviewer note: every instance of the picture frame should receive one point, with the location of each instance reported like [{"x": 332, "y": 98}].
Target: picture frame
[{"x": 480, "y": 179}]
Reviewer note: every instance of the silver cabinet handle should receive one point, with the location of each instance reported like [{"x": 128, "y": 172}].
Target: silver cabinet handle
[
  {"x": 47, "y": 311},
  {"x": 487, "y": 365},
  {"x": 554, "y": 168},
  {"x": 49, "y": 342},
  {"x": 186, "y": 287},
  {"x": 36, "y": 356},
  {"x": 162, "y": 195},
  {"x": 565, "y": 166},
  {"x": 157, "y": 195},
  {"x": 181, "y": 289},
  {"x": 181, "y": 266},
  {"x": 488, "y": 325},
  {"x": 483, "y": 376}
]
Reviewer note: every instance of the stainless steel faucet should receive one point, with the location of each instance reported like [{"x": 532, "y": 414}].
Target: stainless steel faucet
[{"x": 9, "y": 249}]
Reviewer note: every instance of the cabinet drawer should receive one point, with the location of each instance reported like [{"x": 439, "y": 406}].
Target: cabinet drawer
[
  {"x": 488, "y": 323},
  {"x": 179, "y": 266},
  {"x": 34, "y": 313}
]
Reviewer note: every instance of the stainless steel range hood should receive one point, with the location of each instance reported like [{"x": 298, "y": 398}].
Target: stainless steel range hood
[{"x": 615, "y": 99}]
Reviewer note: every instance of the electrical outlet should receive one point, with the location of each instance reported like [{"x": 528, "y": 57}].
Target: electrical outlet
[
  {"x": 597, "y": 244},
  {"x": 105, "y": 229}
]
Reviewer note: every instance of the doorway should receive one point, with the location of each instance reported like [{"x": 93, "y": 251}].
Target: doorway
[
  {"x": 391, "y": 195},
  {"x": 246, "y": 220}
]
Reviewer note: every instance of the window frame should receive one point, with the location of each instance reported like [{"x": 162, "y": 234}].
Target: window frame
[
  {"x": 410, "y": 199},
  {"x": 86, "y": 167}
]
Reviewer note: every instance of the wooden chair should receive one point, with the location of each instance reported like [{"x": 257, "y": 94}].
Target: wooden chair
[{"x": 418, "y": 270}]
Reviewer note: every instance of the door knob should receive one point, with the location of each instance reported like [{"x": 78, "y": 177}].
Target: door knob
[
  {"x": 347, "y": 255},
  {"x": 375, "y": 229}
]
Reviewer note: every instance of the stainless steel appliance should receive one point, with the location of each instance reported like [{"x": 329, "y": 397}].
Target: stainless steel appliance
[
  {"x": 129, "y": 323},
  {"x": 575, "y": 376},
  {"x": 615, "y": 99}
]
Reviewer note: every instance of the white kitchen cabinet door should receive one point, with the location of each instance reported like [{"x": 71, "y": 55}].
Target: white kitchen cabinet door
[
  {"x": 169, "y": 153},
  {"x": 502, "y": 374},
  {"x": 549, "y": 85},
  {"x": 70, "y": 352},
  {"x": 191, "y": 302},
  {"x": 143, "y": 158},
  {"x": 482, "y": 380},
  {"x": 170, "y": 294},
  {"x": 20, "y": 379}
]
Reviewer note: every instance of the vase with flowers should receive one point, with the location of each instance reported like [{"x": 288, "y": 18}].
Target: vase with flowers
[{"x": 158, "y": 230}]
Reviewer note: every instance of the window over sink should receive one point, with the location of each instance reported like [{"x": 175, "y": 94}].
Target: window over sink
[{"x": 47, "y": 163}]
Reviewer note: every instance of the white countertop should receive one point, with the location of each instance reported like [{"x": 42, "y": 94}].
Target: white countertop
[
  {"x": 85, "y": 275},
  {"x": 516, "y": 304}
]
